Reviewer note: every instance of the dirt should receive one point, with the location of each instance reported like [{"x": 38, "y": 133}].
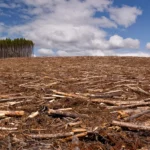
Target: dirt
[{"x": 82, "y": 76}]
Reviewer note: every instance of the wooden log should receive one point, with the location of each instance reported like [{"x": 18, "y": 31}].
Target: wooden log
[
  {"x": 129, "y": 106},
  {"x": 12, "y": 113},
  {"x": 79, "y": 135},
  {"x": 33, "y": 114},
  {"x": 77, "y": 130},
  {"x": 138, "y": 90},
  {"x": 49, "y": 136},
  {"x": 131, "y": 125},
  {"x": 71, "y": 95},
  {"x": 71, "y": 124},
  {"x": 8, "y": 129},
  {"x": 109, "y": 102},
  {"x": 58, "y": 113},
  {"x": 137, "y": 115},
  {"x": 64, "y": 109},
  {"x": 10, "y": 95},
  {"x": 109, "y": 94},
  {"x": 15, "y": 98}
]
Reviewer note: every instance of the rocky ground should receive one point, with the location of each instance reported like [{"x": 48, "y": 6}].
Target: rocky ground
[{"x": 75, "y": 103}]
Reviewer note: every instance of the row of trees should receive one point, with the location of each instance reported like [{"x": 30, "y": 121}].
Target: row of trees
[{"x": 19, "y": 47}]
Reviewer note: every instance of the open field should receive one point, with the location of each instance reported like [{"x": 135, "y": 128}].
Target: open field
[{"x": 97, "y": 91}]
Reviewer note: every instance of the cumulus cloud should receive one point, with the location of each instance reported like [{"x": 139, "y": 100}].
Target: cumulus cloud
[
  {"x": 117, "y": 42},
  {"x": 62, "y": 27},
  {"x": 125, "y": 15},
  {"x": 45, "y": 52},
  {"x": 148, "y": 46},
  {"x": 137, "y": 54}
]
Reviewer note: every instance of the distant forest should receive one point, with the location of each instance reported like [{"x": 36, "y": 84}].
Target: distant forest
[{"x": 19, "y": 47}]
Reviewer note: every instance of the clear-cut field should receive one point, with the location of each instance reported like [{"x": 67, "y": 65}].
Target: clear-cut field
[{"x": 33, "y": 84}]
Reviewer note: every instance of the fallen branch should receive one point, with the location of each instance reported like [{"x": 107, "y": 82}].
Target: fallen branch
[
  {"x": 11, "y": 113},
  {"x": 79, "y": 135},
  {"x": 129, "y": 106},
  {"x": 137, "y": 115},
  {"x": 15, "y": 98},
  {"x": 131, "y": 125},
  {"x": 49, "y": 136},
  {"x": 79, "y": 130},
  {"x": 138, "y": 90},
  {"x": 7, "y": 129},
  {"x": 64, "y": 109},
  {"x": 71, "y": 95},
  {"x": 59, "y": 113},
  {"x": 74, "y": 123},
  {"x": 33, "y": 115},
  {"x": 109, "y": 94},
  {"x": 10, "y": 95},
  {"x": 109, "y": 102}
]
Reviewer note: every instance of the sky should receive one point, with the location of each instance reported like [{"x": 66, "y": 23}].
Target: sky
[{"x": 79, "y": 27}]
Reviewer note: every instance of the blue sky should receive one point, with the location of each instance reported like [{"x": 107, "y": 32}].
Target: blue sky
[{"x": 75, "y": 27}]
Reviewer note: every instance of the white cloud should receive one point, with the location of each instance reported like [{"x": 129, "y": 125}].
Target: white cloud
[
  {"x": 70, "y": 28},
  {"x": 137, "y": 54},
  {"x": 45, "y": 52},
  {"x": 148, "y": 46},
  {"x": 118, "y": 42},
  {"x": 125, "y": 15}
]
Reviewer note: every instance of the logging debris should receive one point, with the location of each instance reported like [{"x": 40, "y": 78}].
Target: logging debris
[{"x": 83, "y": 103}]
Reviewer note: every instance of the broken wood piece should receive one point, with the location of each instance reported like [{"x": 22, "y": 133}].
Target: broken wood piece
[
  {"x": 58, "y": 96},
  {"x": 51, "y": 84},
  {"x": 109, "y": 94},
  {"x": 79, "y": 135},
  {"x": 11, "y": 113},
  {"x": 71, "y": 95},
  {"x": 78, "y": 130},
  {"x": 109, "y": 102},
  {"x": 115, "y": 103},
  {"x": 146, "y": 100},
  {"x": 7, "y": 129},
  {"x": 33, "y": 114},
  {"x": 131, "y": 125},
  {"x": 48, "y": 98},
  {"x": 10, "y": 95},
  {"x": 59, "y": 113},
  {"x": 49, "y": 136},
  {"x": 64, "y": 109},
  {"x": 15, "y": 98},
  {"x": 74, "y": 123},
  {"x": 129, "y": 106},
  {"x": 137, "y": 115},
  {"x": 138, "y": 90}
]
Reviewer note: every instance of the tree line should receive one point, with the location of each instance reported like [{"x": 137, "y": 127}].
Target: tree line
[{"x": 19, "y": 47}]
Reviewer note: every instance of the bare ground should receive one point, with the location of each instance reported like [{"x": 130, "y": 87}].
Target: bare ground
[{"x": 82, "y": 77}]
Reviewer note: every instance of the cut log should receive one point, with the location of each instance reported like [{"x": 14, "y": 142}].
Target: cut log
[
  {"x": 137, "y": 115},
  {"x": 131, "y": 125},
  {"x": 138, "y": 90},
  {"x": 109, "y": 102},
  {"x": 78, "y": 130},
  {"x": 58, "y": 113},
  {"x": 15, "y": 98},
  {"x": 10, "y": 95},
  {"x": 109, "y": 94},
  {"x": 33, "y": 115},
  {"x": 49, "y": 136},
  {"x": 12, "y": 113},
  {"x": 79, "y": 135},
  {"x": 7, "y": 129},
  {"x": 129, "y": 106},
  {"x": 71, "y": 95},
  {"x": 74, "y": 123}
]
